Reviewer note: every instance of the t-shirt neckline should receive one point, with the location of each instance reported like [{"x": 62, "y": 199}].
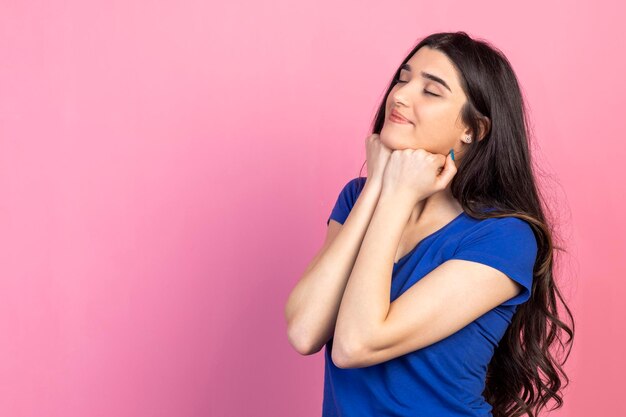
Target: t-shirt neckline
[{"x": 436, "y": 232}]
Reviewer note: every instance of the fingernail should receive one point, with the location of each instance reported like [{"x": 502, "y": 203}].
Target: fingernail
[{"x": 452, "y": 153}]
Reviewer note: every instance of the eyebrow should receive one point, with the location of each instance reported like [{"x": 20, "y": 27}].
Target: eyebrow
[{"x": 432, "y": 77}]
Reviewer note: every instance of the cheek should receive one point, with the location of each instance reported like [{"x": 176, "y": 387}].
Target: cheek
[
  {"x": 388, "y": 106},
  {"x": 442, "y": 120},
  {"x": 436, "y": 132}
]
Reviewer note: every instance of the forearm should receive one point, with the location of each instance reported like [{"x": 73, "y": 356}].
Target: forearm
[
  {"x": 366, "y": 300},
  {"x": 312, "y": 306}
]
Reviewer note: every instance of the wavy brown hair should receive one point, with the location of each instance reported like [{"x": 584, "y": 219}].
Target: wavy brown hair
[{"x": 495, "y": 178}]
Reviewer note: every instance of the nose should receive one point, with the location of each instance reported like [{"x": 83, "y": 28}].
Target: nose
[
  {"x": 399, "y": 100},
  {"x": 401, "y": 95}
]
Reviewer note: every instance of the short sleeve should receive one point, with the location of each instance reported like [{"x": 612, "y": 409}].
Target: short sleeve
[
  {"x": 507, "y": 244},
  {"x": 346, "y": 199}
]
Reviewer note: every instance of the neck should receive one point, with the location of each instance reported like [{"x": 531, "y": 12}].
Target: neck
[{"x": 440, "y": 205}]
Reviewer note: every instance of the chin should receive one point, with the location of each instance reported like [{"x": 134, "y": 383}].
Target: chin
[{"x": 387, "y": 140}]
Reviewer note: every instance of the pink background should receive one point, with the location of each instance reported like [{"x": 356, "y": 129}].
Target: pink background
[{"x": 167, "y": 169}]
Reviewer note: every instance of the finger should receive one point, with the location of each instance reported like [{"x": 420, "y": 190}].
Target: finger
[{"x": 447, "y": 173}]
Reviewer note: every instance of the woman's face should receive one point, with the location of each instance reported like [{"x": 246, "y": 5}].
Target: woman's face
[{"x": 434, "y": 120}]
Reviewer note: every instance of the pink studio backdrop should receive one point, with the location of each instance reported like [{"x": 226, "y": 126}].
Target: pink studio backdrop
[{"x": 167, "y": 169}]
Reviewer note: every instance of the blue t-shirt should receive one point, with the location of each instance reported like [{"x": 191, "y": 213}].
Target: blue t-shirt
[{"x": 446, "y": 378}]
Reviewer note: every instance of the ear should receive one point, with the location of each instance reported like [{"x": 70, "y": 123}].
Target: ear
[{"x": 484, "y": 125}]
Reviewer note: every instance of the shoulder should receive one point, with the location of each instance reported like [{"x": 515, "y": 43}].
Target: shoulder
[
  {"x": 509, "y": 225},
  {"x": 356, "y": 184},
  {"x": 353, "y": 188},
  {"x": 504, "y": 243},
  {"x": 500, "y": 234},
  {"x": 346, "y": 199}
]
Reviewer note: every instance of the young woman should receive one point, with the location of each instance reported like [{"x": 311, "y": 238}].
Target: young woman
[{"x": 434, "y": 292}]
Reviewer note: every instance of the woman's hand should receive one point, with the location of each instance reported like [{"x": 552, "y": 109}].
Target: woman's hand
[
  {"x": 377, "y": 157},
  {"x": 417, "y": 173}
]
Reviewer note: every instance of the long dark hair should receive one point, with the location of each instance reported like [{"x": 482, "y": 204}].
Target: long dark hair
[{"x": 496, "y": 172}]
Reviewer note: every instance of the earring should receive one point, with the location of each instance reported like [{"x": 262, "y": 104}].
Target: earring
[{"x": 467, "y": 138}]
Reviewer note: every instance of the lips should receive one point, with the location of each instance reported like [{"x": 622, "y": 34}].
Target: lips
[{"x": 398, "y": 117}]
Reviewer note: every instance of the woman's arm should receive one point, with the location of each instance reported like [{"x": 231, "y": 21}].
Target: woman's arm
[
  {"x": 366, "y": 302},
  {"x": 371, "y": 330},
  {"x": 312, "y": 306}
]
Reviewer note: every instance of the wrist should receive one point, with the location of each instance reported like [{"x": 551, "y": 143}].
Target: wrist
[
  {"x": 399, "y": 196},
  {"x": 373, "y": 183},
  {"x": 396, "y": 206}
]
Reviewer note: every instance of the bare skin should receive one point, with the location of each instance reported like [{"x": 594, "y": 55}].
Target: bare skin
[{"x": 434, "y": 126}]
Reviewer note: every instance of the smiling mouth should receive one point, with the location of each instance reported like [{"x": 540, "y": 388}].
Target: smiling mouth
[{"x": 399, "y": 120}]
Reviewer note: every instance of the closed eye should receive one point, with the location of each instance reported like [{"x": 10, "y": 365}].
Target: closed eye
[{"x": 398, "y": 81}]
